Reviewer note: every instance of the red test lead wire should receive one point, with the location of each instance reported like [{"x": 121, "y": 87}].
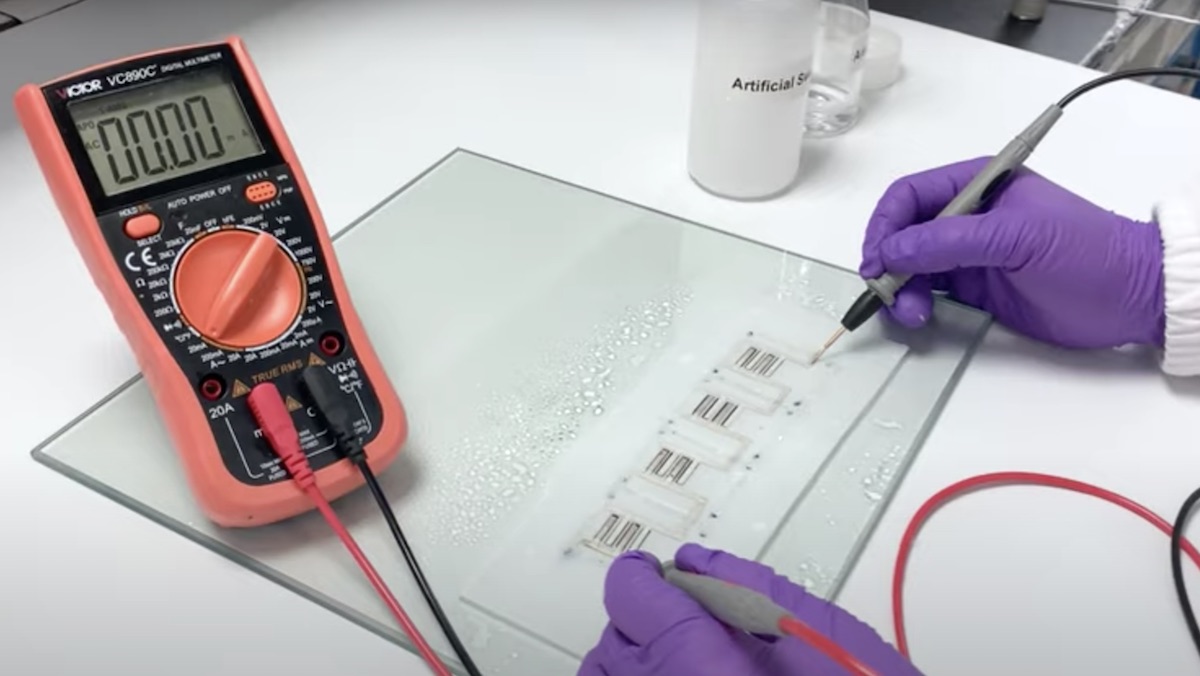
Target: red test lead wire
[
  {"x": 272, "y": 416},
  {"x": 793, "y": 627},
  {"x": 1004, "y": 479}
]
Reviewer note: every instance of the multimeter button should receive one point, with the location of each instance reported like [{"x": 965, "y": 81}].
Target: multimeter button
[
  {"x": 142, "y": 225},
  {"x": 238, "y": 289},
  {"x": 263, "y": 191}
]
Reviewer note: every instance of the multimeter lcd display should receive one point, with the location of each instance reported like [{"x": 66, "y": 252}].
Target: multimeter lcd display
[{"x": 163, "y": 130}]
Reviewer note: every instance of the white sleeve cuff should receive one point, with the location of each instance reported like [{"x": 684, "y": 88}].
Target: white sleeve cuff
[{"x": 1179, "y": 222}]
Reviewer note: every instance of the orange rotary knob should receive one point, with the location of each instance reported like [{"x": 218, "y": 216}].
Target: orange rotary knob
[{"x": 238, "y": 288}]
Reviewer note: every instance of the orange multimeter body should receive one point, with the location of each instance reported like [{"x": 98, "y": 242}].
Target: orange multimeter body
[{"x": 187, "y": 202}]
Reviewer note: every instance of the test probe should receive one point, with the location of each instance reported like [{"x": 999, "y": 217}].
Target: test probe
[
  {"x": 975, "y": 195},
  {"x": 755, "y": 613}
]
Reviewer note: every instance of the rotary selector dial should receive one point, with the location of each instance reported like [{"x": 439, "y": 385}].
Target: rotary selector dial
[{"x": 239, "y": 289}]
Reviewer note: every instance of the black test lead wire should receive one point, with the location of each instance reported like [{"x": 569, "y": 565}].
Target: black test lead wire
[
  {"x": 327, "y": 398},
  {"x": 1185, "y": 603},
  {"x": 410, "y": 558}
]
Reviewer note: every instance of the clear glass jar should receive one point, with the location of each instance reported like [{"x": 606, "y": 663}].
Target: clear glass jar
[{"x": 834, "y": 98}]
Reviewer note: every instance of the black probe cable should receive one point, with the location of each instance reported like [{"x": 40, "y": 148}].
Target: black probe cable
[
  {"x": 410, "y": 558},
  {"x": 327, "y": 398},
  {"x": 1185, "y": 603},
  {"x": 1161, "y": 71}
]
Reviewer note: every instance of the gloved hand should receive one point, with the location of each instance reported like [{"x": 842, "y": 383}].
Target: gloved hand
[
  {"x": 1043, "y": 261},
  {"x": 656, "y": 629}
]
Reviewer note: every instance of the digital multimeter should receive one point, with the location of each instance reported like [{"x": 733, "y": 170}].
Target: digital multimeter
[{"x": 187, "y": 202}]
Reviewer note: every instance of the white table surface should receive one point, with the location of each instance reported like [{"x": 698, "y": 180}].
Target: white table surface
[{"x": 1018, "y": 580}]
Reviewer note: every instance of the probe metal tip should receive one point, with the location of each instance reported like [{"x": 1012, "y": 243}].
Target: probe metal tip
[{"x": 828, "y": 344}]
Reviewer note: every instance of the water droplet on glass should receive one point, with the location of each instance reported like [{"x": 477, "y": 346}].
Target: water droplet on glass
[{"x": 599, "y": 410}]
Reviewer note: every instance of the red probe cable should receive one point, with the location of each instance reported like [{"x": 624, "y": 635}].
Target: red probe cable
[
  {"x": 273, "y": 417},
  {"x": 990, "y": 481},
  {"x": 797, "y": 629}
]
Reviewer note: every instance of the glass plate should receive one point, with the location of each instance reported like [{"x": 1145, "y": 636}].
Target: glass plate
[{"x": 583, "y": 376}]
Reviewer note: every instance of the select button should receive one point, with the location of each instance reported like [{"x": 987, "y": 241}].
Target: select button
[{"x": 142, "y": 225}]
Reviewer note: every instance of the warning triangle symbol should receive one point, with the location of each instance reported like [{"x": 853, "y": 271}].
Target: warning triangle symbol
[
  {"x": 314, "y": 360},
  {"x": 292, "y": 404},
  {"x": 240, "y": 389}
]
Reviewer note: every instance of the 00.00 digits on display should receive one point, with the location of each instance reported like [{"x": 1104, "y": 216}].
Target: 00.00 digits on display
[{"x": 169, "y": 137}]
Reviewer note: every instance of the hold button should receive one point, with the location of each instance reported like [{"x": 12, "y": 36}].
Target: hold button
[
  {"x": 142, "y": 225},
  {"x": 263, "y": 191}
]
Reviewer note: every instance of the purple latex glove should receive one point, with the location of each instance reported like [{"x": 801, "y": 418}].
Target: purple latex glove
[
  {"x": 656, "y": 629},
  {"x": 1043, "y": 261}
]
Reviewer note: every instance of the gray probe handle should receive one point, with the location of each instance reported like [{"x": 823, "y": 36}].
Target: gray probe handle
[
  {"x": 981, "y": 188},
  {"x": 736, "y": 606}
]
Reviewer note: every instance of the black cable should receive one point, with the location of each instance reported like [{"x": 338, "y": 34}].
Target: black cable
[
  {"x": 329, "y": 401},
  {"x": 1127, "y": 75},
  {"x": 1185, "y": 603},
  {"x": 411, "y": 559}
]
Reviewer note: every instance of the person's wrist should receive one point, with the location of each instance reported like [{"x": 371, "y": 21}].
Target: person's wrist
[
  {"x": 1146, "y": 304},
  {"x": 1153, "y": 284}
]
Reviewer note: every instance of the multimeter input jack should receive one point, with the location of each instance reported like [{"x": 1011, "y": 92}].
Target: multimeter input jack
[
  {"x": 331, "y": 343},
  {"x": 212, "y": 387}
]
